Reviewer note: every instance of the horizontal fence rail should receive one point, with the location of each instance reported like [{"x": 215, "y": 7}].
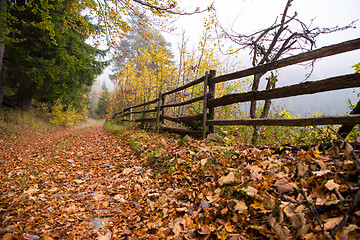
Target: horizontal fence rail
[
  {"x": 207, "y": 118},
  {"x": 290, "y": 122},
  {"x": 310, "y": 87}
]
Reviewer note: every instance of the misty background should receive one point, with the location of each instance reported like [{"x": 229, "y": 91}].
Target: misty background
[{"x": 248, "y": 16}]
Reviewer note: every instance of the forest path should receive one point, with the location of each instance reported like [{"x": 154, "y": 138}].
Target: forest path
[
  {"x": 86, "y": 183},
  {"x": 65, "y": 184}
]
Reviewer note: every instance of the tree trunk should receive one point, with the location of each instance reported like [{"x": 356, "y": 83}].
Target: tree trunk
[
  {"x": 264, "y": 114},
  {"x": 2, "y": 85},
  {"x": 257, "y": 129},
  {"x": 25, "y": 93},
  {"x": 2, "y": 50}
]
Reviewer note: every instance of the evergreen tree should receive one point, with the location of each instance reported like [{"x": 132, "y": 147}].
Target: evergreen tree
[
  {"x": 103, "y": 102},
  {"x": 49, "y": 67}
]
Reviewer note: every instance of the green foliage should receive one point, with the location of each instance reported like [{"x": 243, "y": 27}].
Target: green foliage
[
  {"x": 357, "y": 68},
  {"x": 280, "y": 135},
  {"x": 103, "y": 102},
  {"x": 48, "y": 59},
  {"x": 355, "y": 133}
]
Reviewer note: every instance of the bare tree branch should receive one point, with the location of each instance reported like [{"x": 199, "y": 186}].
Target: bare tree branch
[
  {"x": 171, "y": 8},
  {"x": 277, "y": 41}
]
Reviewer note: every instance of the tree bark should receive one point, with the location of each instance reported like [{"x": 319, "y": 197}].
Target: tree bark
[
  {"x": 2, "y": 50},
  {"x": 257, "y": 129},
  {"x": 264, "y": 114},
  {"x": 2, "y": 85},
  {"x": 25, "y": 93}
]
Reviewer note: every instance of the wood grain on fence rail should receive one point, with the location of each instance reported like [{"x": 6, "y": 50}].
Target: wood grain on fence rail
[
  {"x": 184, "y": 102},
  {"x": 143, "y": 104},
  {"x": 311, "y": 87},
  {"x": 289, "y": 122},
  {"x": 139, "y": 112},
  {"x": 188, "y": 119},
  {"x": 190, "y": 84}
]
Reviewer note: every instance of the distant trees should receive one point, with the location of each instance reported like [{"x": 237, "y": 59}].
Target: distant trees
[
  {"x": 103, "y": 102},
  {"x": 143, "y": 68}
]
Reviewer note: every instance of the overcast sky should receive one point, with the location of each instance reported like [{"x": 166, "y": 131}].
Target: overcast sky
[{"x": 247, "y": 16}]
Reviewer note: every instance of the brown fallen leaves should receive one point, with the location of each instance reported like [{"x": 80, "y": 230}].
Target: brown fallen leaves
[{"x": 89, "y": 184}]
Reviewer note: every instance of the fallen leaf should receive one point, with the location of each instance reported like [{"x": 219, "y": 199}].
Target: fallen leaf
[
  {"x": 71, "y": 209},
  {"x": 330, "y": 224},
  {"x": 321, "y": 172},
  {"x": 344, "y": 234},
  {"x": 126, "y": 171},
  {"x": 105, "y": 204},
  {"x": 47, "y": 238},
  {"x": 250, "y": 191},
  {"x": 228, "y": 179},
  {"x": 99, "y": 196},
  {"x": 240, "y": 206},
  {"x": 204, "y": 231},
  {"x": 348, "y": 151},
  {"x": 331, "y": 185},
  {"x": 107, "y": 236},
  {"x": 32, "y": 190},
  {"x": 203, "y": 161},
  {"x": 283, "y": 186},
  {"x": 8, "y": 236},
  {"x": 302, "y": 168},
  {"x": 229, "y": 227},
  {"x": 282, "y": 232},
  {"x": 268, "y": 203}
]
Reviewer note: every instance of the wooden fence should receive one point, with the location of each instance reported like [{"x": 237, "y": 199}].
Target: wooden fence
[{"x": 207, "y": 118}]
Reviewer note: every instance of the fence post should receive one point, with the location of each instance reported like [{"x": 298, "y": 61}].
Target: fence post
[
  {"x": 131, "y": 118},
  {"x": 205, "y": 105},
  {"x": 163, "y": 110},
  {"x": 211, "y": 97},
  {"x": 157, "y": 127}
]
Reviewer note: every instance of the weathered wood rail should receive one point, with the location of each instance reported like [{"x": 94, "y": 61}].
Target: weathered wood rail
[{"x": 207, "y": 118}]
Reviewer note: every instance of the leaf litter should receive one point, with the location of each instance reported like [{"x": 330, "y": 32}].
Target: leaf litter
[{"x": 91, "y": 184}]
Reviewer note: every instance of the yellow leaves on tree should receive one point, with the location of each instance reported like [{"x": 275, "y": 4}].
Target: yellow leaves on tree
[
  {"x": 66, "y": 115},
  {"x": 141, "y": 78},
  {"x": 145, "y": 76}
]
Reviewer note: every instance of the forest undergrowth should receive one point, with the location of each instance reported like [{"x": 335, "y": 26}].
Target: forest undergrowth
[{"x": 126, "y": 183}]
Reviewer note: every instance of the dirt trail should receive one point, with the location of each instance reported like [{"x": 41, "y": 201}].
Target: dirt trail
[{"x": 64, "y": 184}]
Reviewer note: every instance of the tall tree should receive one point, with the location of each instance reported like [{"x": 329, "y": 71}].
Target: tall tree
[
  {"x": 111, "y": 18},
  {"x": 287, "y": 35},
  {"x": 48, "y": 68},
  {"x": 103, "y": 102}
]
